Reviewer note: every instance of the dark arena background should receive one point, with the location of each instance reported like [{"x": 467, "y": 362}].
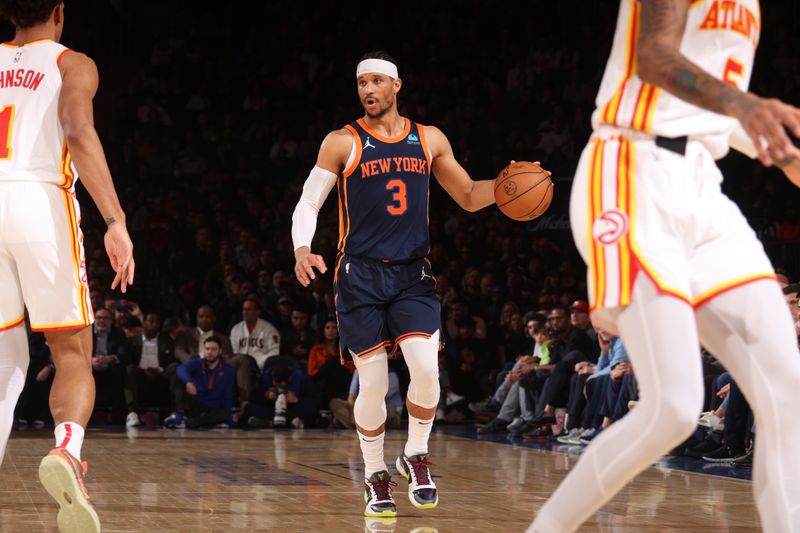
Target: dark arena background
[{"x": 211, "y": 116}]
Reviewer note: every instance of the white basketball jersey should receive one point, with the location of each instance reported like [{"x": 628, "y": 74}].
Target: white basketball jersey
[
  {"x": 720, "y": 37},
  {"x": 32, "y": 146}
]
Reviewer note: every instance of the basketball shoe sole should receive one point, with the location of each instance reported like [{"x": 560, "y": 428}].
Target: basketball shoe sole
[{"x": 62, "y": 477}]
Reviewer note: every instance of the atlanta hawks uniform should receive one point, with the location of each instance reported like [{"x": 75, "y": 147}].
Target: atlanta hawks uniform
[
  {"x": 42, "y": 263},
  {"x": 646, "y": 197},
  {"x": 384, "y": 286}
]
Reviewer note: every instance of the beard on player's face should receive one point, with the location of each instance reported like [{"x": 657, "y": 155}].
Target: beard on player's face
[{"x": 383, "y": 106}]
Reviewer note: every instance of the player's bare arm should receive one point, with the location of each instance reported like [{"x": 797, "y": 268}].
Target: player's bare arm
[
  {"x": 75, "y": 112},
  {"x": 469, "y": 194},
  {"x": 660, "y": 62},
  {"x": 331, "y": 159}
]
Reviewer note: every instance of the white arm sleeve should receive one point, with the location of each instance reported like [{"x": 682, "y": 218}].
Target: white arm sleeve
[
  {"x": 315, "y": 190},
  {"x": 742, "y": 143}
]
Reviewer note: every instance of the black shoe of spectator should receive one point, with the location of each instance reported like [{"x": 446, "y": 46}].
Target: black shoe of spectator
[
  {"x": 538, "y": 435},
  {"x": 528, "y": 426},
  {"x": 726, "y": 454},
  {"x": 542, "y": 420},
  {"x": 704, "y": 448},
  {"x": 498, "y": 425},
  {"x": 681, "y": 449},
  {"x": 258, "y": 423}
]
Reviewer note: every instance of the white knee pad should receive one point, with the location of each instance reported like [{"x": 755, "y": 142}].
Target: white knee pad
[
  {"x": 373, "y": 385},
  {"x": 422, "y": 359}
]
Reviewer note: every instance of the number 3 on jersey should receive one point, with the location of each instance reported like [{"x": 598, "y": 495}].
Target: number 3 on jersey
[
  {"x": 6, "y": 121},
  {"x": 398, "y": 205}
]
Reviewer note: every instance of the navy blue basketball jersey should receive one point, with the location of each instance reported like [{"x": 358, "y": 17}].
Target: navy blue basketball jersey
[{"x": 383, "y": 195}]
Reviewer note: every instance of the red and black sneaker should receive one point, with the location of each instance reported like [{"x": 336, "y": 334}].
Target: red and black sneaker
[
  {"x": 63, "y": 477},
  {"x": 421, "y": 489},
  {"x": 378, "y": 495}
]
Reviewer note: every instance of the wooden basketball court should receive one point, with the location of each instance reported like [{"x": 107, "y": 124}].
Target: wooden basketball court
[{"x": 311, "y": 480}]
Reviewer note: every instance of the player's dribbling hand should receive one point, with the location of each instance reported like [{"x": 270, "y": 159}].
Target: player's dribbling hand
[
  {"x": 768, "y": 119},
  {"x": 549, "y": 174},
  {"x": 305, "y": 264},
  {"x": 120, "y": 252}
]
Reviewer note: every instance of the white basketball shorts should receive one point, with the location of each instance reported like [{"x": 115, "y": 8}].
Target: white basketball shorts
[
  {"x": 42, "y": 264},
  {"x": 639, "y": 208}
]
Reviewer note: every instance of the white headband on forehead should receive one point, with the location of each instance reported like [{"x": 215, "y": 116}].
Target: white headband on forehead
[{"x": 379, "y": 66}]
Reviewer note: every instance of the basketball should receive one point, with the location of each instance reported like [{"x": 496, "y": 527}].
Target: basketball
[{"x": 523, "y": 191}]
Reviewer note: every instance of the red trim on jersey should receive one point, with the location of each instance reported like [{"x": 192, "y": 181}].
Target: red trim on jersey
[{"x": 60, "y": 55}]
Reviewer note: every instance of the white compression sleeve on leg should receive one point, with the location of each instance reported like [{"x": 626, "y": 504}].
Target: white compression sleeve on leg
[
  {"x": 13, "y": 368},
  {"x": 373, "y": 384},
  {"x": 750, "y": 331},
  {"x": 315, "y": 190},
  {"x": 370, "y": 409},
  {"x": 670, "y": 377},
  {"x": 422, "y": 359}
]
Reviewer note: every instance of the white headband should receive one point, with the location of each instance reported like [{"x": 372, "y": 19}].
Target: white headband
[{"x": 379, "y": 66}]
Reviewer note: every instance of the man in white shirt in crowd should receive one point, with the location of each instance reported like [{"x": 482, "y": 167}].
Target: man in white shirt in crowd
[
  {"x": 149, "y": 355},
  {"x": 254, "y": 337}
]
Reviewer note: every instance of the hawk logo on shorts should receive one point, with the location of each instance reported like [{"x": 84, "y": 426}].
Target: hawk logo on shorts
[{"x": 610, "y": 227}]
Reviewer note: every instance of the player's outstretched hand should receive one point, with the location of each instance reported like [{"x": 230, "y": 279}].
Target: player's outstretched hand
[
  {"x": 305, "y": 264},
  {"x": 768, "y": 119},
  {"x": 120, "y": 252}
]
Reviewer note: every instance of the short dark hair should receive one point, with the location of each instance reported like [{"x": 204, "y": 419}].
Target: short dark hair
[
  {"x": 27, "y": 13},
  {"x": 791, "y": 288},
  {"x": 215, "y": 339},
  {"x": 380, "y": 54}
]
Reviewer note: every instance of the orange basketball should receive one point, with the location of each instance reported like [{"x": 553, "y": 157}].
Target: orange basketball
[{"x": 523, "y": 190}]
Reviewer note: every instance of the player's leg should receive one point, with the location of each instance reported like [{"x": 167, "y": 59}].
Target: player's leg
[
  {"x": 369, "y": 413},
  {"x": 422, "y": 358},
  {"x": 48, "y": 250},
  {"x": 660, "y": 337},
  {"x": 13, "y": 346},
  {"x": 72, "y": 393},
  {"x": 750, "y": 331}
]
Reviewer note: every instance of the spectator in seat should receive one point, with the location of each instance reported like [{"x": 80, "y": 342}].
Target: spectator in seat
[
  {"x": 150, "y": 354},
  {"x": 286, "y": 397},
  {"x": 579, "y": 318},
  {"x": 206, "y": 397},
  {"x": 189, "y": 343},
  {"x": 297, "y": 340},
  {"x": 109, "y": 350},
  {"x": 255, "y": 337},
  {"x": 325, "y": 368}
]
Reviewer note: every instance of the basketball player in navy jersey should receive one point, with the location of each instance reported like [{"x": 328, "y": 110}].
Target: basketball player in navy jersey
[{"x": 384, "y": 286}]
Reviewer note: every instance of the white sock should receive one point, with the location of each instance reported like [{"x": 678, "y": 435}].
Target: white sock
[
  {"x": 69, "y": 435},
  {"x": 372, "y": 450},
  {"x": 418, "y": 432}
]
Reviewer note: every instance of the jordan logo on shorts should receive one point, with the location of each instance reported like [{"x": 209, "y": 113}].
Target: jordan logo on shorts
[
  {"x": 610, "y": 227},
  {"x": 368, "y": 145},
  {"x": 424, "y": 275}
]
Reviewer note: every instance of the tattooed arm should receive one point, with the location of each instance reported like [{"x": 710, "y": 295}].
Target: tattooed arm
[{"x": 660, "y": 62}]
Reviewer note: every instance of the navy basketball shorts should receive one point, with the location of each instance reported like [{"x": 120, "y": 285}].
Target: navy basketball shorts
[{"x": 379, "y": 304}]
